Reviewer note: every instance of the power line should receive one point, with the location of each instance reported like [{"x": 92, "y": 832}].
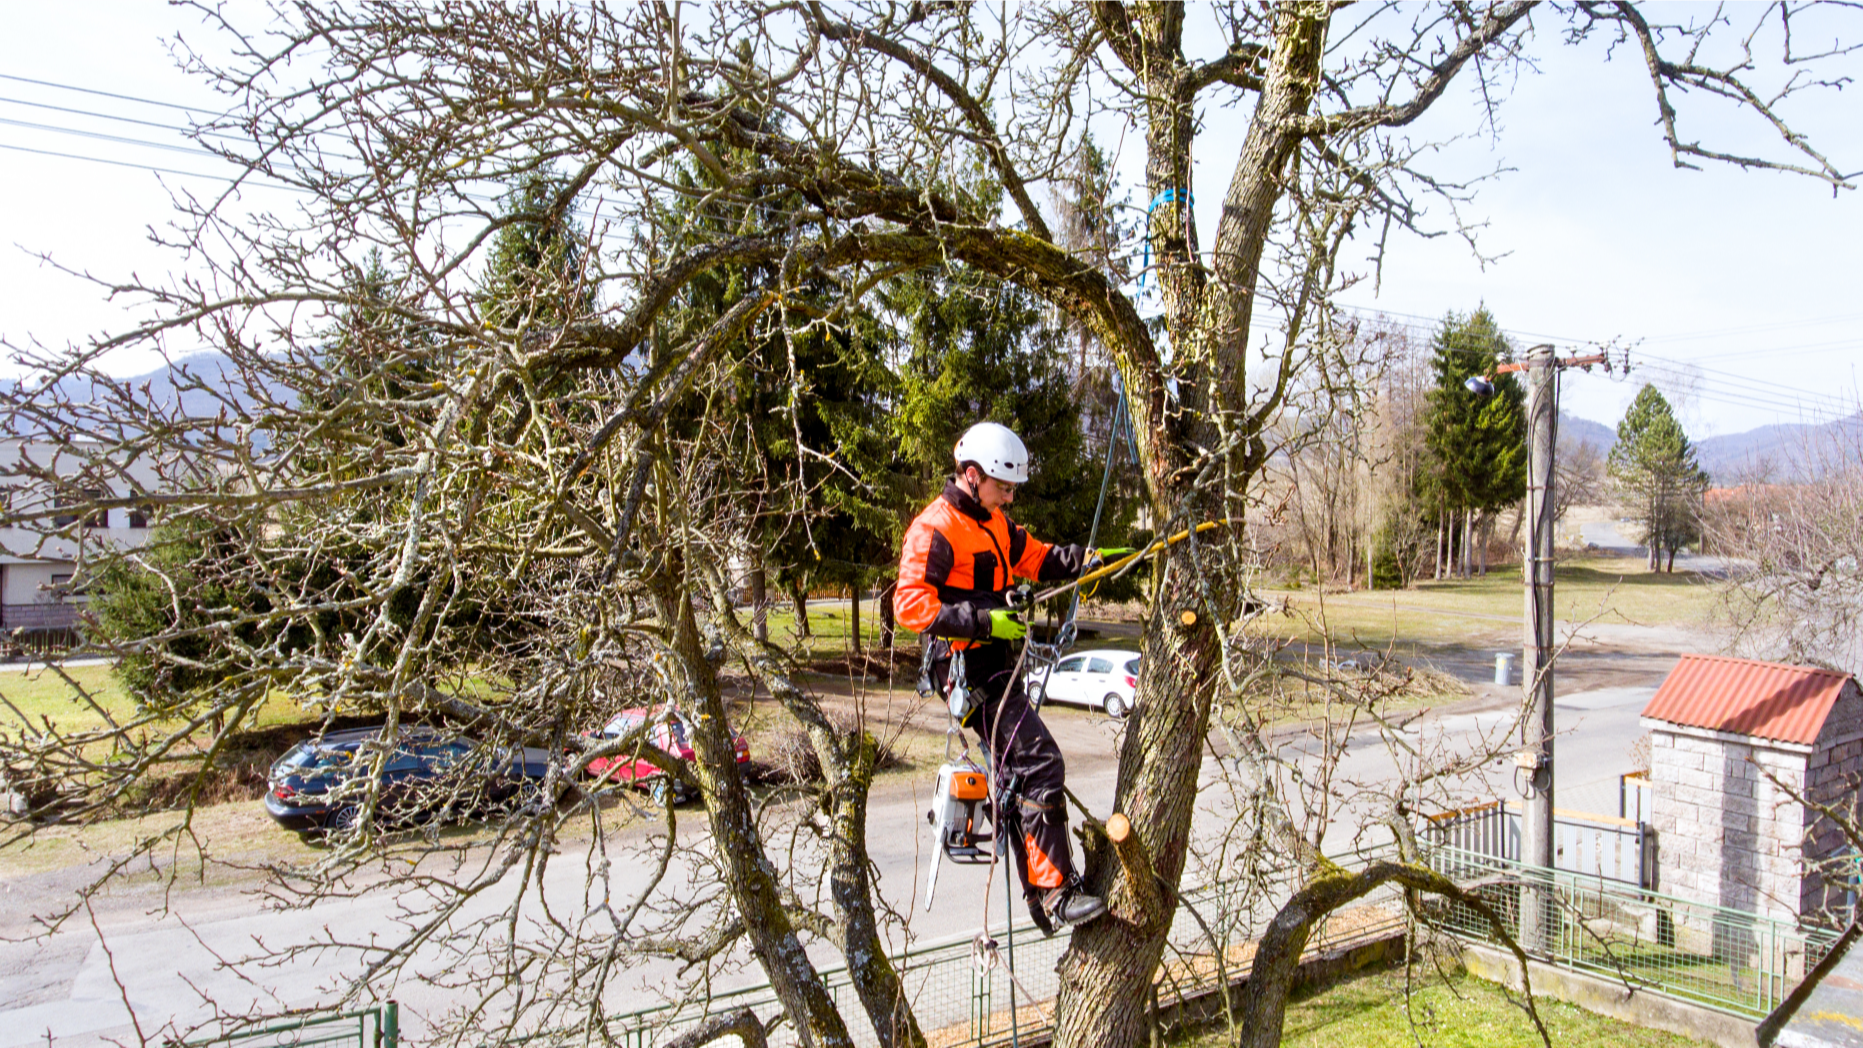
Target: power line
[
  {"x": 106, "y": 137},
  {"x": 1842, "y": 318},
  {"x": 93, "y": 113},
  {"x": 1746, "y": 381},
  {"x": 1709, "y": 385},
  {"x": 150, "y": 167},
  {"x": 107, "y": 94},
  {"x": 585, "y": 213},
  {"x": 1773, "y": 351},
  {"x": 1789, "y": 402}
]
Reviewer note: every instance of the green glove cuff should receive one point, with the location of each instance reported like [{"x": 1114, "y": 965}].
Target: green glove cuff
[{"x": 1005, "y": 626}]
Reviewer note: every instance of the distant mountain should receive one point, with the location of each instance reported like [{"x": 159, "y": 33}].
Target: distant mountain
[
  {"x": 1584, "y": 431},
  {"x": 1782, "y": 453},
  {"x": 1778, "y": 453},
  {"x": 203, "y": 384}
]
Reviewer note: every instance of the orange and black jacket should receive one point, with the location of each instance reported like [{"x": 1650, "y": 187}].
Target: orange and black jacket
[{"x": 957, "y": 565}]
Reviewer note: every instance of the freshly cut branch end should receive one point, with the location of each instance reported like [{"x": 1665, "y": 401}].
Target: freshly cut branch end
[{"x": 1136, "y": 862}]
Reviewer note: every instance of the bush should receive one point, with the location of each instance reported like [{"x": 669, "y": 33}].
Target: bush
[{"x": 792, "y": 759}]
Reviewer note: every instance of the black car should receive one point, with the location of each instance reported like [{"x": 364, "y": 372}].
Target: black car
[{"x": 321, "y": 784}]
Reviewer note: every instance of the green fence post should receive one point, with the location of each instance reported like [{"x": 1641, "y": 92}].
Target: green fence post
[{"x": 391, "y": 1024}]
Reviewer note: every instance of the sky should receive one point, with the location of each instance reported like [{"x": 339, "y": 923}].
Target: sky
[{"x": 1736, "y": 292}]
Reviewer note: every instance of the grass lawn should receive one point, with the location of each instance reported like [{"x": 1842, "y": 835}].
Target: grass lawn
[
  {"x": 1608, "y": 590},
  {"x": 40, "y": 693},
  {"x": 1372, "y": 1011}
]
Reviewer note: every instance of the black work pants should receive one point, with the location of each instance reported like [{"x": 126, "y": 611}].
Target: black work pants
[{"x": 1023, "y": 753}]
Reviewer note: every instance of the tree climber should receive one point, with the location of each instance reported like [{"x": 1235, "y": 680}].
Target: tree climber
[{"x": 955, "y": 574}]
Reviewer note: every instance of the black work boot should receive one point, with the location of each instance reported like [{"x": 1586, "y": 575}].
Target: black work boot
[{"x": 1070, "y": 905}]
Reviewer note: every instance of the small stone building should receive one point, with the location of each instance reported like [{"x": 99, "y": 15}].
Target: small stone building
[{"x": 1736, "y": 749}]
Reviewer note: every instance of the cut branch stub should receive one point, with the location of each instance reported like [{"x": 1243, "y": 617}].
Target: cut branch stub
[{"x": 1136, "y": 863}]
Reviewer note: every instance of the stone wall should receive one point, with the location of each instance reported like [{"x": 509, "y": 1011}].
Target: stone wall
[
  {"x": 1725, "y": 833},
  {"x": 1831, "y": 779}
]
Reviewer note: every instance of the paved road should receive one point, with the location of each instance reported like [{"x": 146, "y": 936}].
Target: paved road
[
  {"x": 169, "y": 962},
  {"x": 1608, "y": 535}
]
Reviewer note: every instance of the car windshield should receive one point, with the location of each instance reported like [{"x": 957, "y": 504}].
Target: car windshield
[
  {"x": 311, "y": 761},
  {"x": 445, "y": 752},
  {"x": 1070, "y": 665},
  {"x": 303, "y": 755},
  {"x": 676, "y": 730}
]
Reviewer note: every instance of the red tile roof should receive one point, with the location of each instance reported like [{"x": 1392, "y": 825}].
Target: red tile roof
[{"x": 1763, "y": 699}]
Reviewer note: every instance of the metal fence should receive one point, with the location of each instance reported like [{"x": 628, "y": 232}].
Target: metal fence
[
  {"x": 962, "y": 1001},
  {"x": 1616, "y": 849},
  {"x": 377, "y": 1027},
  {"x": 1728, "y": 960}
]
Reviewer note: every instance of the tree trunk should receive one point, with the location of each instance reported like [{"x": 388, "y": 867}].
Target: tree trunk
[
  {"x": 1487, "y": 539},
  {"x": 759, "y": 597},
  {"x": 1468, "y": 543},
  {"x": 851, "y": 888},
  {"x": 854, "y": 639},
  {"x": 847, "y": 770},
  {"x": 1106, "y": 975},
  {"x": 884, "y": 602},
  {"x": 748, "y": 873},
  {"x": 1441, "y": 554},
  {"x": 799, "y": 597}
]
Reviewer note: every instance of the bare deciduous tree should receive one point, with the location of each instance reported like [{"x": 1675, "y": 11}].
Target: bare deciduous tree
[
  {"x": 1797, "y": 553},
  {"x": 501, "y": 524}
]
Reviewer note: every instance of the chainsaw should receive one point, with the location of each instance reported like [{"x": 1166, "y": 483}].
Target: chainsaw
[{"x": 960, "y": 806}]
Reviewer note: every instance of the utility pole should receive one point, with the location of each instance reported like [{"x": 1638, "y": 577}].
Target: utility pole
[
  {"x": 1535, "y": 758},
  {"x": 1533, "y": 762}
]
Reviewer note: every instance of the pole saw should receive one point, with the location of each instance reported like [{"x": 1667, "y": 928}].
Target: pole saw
[{"x": 1115, "y": 568}]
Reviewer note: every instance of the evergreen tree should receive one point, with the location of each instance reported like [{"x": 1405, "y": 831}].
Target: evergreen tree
[
  {"x": 1653, "y": 468},
  {"x": 533, "y": 275},
  {"x": 165, "y": 592},
  {"x": 977, "y": 350},
  {"x": 1477, "y": 445},
  {"x": 815, "y": 477}
]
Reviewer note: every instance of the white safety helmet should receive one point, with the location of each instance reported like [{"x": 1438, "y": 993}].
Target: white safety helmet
[{"x": 997, "y": 449}]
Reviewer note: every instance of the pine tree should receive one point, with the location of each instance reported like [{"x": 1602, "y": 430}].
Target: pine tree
[
  {"x": 533, "y": 275},
  {"x": 817, "y": 477},
  {"x": 979, "y": 351},
  {"x": 1477, "y": 445},
  {"x": 1653, "y": 468}
]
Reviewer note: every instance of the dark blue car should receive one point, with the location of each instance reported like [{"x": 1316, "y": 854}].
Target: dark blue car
[{"x": 322, "y": 784}]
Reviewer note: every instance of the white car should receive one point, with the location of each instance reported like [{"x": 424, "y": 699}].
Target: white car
[{"x": 1105, "y": 680}]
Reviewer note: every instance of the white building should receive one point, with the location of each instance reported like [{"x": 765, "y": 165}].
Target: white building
[{"x": 48, "y": 527}]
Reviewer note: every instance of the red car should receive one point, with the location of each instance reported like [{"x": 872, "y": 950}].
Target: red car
[{"x": 670, "y": 732}]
